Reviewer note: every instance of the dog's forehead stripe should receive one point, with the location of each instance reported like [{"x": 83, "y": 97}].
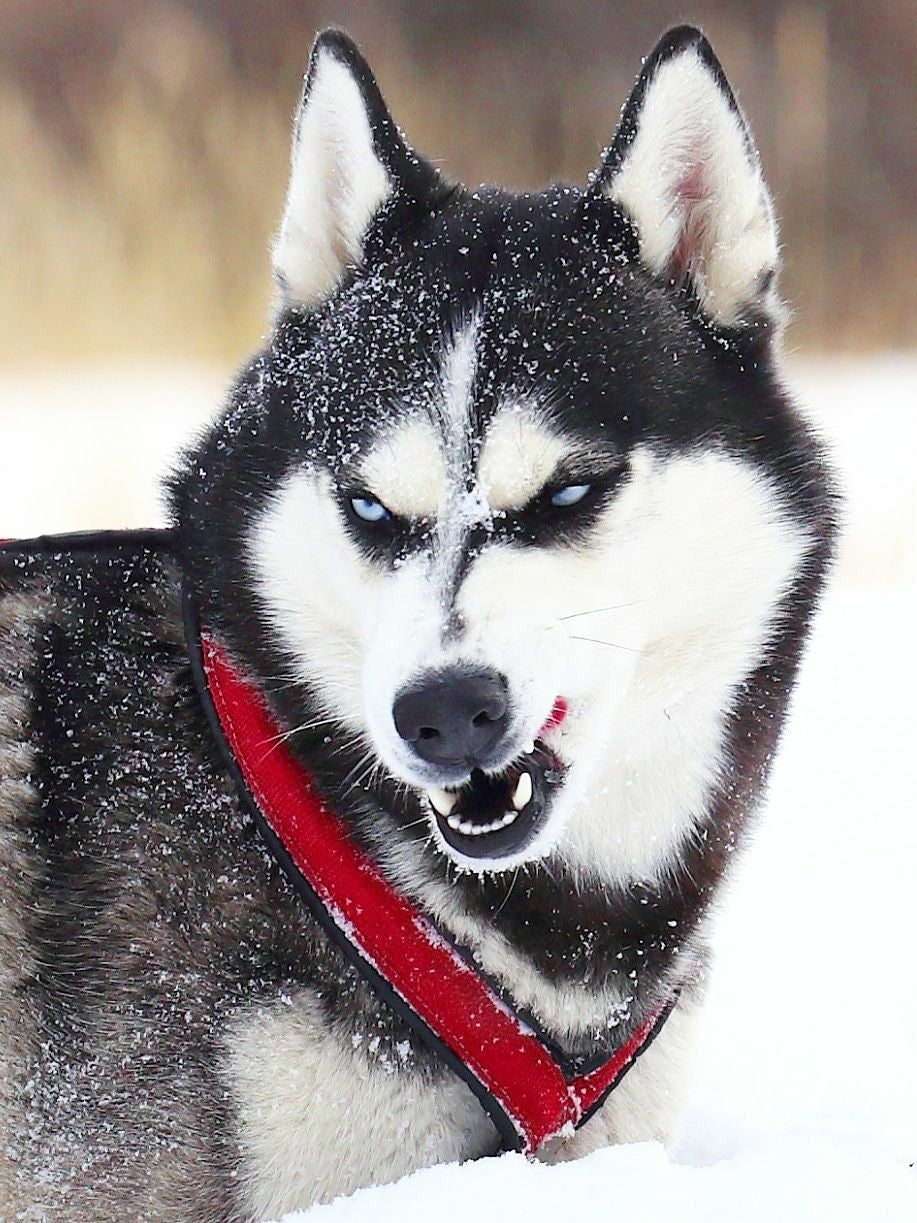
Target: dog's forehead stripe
[
  {"x": 424, "y": 465},
  {"x": 459, "y": 367}
]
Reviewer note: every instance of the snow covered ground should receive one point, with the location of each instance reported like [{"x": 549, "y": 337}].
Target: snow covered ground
[{"x": 804, "y": 1100}]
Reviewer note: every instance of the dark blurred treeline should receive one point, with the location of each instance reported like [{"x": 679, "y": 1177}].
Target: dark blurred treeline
[{"x": 143, "y": 146}]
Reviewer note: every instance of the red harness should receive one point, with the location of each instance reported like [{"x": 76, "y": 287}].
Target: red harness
[{"x": 513, "y": 1072}]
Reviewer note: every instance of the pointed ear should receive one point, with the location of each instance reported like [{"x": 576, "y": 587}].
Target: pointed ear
[
  {"x": 684, "y": 169},
  {"x": 348, "y": 162}
]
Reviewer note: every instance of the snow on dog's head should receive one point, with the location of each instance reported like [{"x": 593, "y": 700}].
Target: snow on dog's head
[{"x": 509, "y": 505}]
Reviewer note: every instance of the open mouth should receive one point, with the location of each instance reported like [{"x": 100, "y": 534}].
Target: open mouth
[{"x": 495, "y": 816}]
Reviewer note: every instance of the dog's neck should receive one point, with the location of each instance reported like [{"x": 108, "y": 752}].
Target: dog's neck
[
  {"x": 581, "y": 950},
  {"x": 580, "y": 954},
  {"x": 532, "y": 1087}
]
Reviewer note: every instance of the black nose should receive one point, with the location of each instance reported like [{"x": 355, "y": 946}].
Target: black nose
[{"x": 454, "y": 716}]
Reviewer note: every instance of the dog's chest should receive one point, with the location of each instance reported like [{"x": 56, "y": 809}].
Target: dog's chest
[{"x": 323, "y": 1112}]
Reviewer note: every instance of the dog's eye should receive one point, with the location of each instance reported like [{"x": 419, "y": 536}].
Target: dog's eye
[
  {"x": 369, "y": 510},
  {"x": 572, "y": 494}
]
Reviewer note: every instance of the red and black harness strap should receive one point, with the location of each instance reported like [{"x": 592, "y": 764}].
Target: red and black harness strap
[{"x": 419, "y": 972}]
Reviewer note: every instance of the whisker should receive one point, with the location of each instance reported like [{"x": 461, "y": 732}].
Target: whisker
[
  {"x": 278, "y": 740},
  {"x": 295, "y": 730},
  {"x": 598, "y": 610},
  {"x": 424, "y": 820},
  {"x": 364, "y": 762},
  {"x": 612, "y": 645},
  {"x": 547, "y": 870},
  {"x": 509, "y": 892},
  {"x": 371, "y": 764}
]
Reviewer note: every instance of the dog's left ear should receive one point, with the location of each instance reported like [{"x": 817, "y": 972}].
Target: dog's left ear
[
  {"x": 348, "y": 164},
  {"x": 684, "y": 168}
]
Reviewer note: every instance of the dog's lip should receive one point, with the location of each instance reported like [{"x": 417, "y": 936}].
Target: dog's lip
[{"x": 497, "y": 815}]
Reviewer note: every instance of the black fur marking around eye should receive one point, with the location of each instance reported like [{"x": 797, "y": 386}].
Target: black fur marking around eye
[
  {"x": 542, "y": 523},
  {"x": 388, "y": 539}
]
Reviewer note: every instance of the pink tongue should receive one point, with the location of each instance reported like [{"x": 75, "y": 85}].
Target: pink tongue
[{"x": 557, "y": 715}]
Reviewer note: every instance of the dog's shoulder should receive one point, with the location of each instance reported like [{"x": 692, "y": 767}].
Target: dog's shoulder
[
  {"x": 69, "y": 595},
  {"x": 97, "y": 684},
  {"x": 126, "y": 866},
  {"x": 50, "y": 575},
  {"x": 86, "y": 620}
]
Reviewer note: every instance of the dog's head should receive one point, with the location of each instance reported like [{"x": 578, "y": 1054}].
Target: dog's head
[{"x": 511, "y": 498}]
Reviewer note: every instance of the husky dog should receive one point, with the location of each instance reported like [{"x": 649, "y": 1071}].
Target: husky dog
[{"x": 515, "y": 525}]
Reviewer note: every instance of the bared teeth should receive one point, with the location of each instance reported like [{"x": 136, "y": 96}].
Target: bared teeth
[
  {"x": 442, "y": 801},
  {"x": 523, "y": 792},
  {"x": 448, "y": 804},
  {"x": 468, "y": 829}
]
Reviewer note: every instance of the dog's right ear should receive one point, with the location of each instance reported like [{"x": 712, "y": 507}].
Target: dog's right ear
[{"x": 348, "y": 164}]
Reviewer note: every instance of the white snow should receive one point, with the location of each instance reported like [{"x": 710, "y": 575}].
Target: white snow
[
  {"x": 86, "y": 448},
  {"x": 804, "y": 1100},
  {"x": 787, "y": 1178}
]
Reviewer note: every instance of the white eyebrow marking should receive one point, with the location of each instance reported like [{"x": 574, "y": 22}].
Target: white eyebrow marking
[
  {"x": 520, "y": 454},
  {"x": 406, "y": 471},
  {"x": 421, "y": 463}
]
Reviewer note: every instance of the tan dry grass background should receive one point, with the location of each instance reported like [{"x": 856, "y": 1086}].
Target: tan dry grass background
[
  {"x": 143, "y": 148},
  {"x": 140, "y": 227}
]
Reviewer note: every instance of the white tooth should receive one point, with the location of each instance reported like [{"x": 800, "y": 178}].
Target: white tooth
[
  {"x": 529, "y": 748},
  {"x": 523, "y": 794},
  {"x": 467, "y": 828},
  {"x": 454, "y": 822},
  {"x": 507, "y": 818},
  {"x": 442, "y": 801}
]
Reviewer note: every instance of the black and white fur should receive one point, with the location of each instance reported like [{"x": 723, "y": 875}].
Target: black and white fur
[{"x": 177, "y": 1038}]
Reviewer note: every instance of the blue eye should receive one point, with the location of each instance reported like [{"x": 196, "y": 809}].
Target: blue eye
[
  {"x": 571, "y": 495},
  {"x": 369, "y": 509}
]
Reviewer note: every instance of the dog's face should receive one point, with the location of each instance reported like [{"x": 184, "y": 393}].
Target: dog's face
[{"x": 519, "y": 516}]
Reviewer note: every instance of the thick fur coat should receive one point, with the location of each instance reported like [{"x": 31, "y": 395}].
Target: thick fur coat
[{"x": 512, "y": 450}]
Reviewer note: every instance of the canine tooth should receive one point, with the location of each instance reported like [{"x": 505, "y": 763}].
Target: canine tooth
[
  {"x": 523, "y": 792},
  {"x": 442, "y": 801},
  {"x": 454, "y": 822},
  {"x": 529, "y": 749}
]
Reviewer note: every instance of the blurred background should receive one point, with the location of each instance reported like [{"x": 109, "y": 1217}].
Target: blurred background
[
  {"x": 143, "y": 155},
  {"x": 143, "y": 146}
]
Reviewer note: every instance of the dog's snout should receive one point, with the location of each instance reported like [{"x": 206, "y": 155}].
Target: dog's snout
[{"x": 453, "y": 716}]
